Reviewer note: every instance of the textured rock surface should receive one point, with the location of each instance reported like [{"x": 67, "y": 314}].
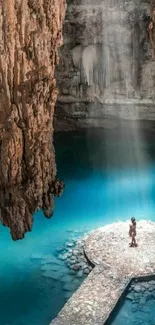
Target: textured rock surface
[
  {"x": 113, "y": 241},
  {"x": 106, "y": 69},
  {"x": 115, "y": 264},
  {"x": 30, "y": 34}
]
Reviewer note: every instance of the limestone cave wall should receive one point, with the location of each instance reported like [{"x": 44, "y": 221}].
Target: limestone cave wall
[
  {"x": 30, "y": 34},
  {"x": 106, "y": 53}
]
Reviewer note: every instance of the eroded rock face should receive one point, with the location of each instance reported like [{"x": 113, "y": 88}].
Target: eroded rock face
[
  {"x": 106, "y": 70},
  {"x": 30, "y": 34}
]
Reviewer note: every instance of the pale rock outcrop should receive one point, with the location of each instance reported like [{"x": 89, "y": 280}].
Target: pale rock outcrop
[{"x": 106, "y": 70}]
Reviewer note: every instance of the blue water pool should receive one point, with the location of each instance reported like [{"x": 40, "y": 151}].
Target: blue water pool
[
  {"x": 137, "y": 304},
  {"x": 106, "y": 181}
]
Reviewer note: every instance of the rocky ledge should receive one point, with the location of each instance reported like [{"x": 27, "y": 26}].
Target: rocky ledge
[{"x": 115, "y": 265}]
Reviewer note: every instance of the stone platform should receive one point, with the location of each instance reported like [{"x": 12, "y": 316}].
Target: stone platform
[
  {"x": 109, "y": 247},
  {"x": 115, "y": 265}
]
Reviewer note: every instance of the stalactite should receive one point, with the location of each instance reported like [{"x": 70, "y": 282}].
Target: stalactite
[{"x": 30, "y": 34}]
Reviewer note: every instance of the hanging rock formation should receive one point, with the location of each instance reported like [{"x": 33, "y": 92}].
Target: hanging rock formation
[
  {"x": 30, "y": 34},
  {"x": 106, "y": 70}
]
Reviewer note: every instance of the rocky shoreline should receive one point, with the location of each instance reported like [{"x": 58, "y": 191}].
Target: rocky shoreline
[
  {"x": 73, "y": 255},
  {"x": 68, "y": 266}
]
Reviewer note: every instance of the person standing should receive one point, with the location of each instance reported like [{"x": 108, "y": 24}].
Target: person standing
[{"x": 132, "y": 232}]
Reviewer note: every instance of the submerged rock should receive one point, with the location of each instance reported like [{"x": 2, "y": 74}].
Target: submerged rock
[
  {"x": 70, "y": 286},
  {"x": 86, "y": 271},
  {"x": 143, "y": 300},
  {"x": 72, "y": 272},
  {"x": 52, "y": 274},
  {"x": 70, "y": 244},
  {"x": 76, "y": 267},
  {"x": 72, "y": 262},
  {"x": 63, "y": 257},
  {"x": 130, "y": 296},
  {"x": 75, "y": 259},
  {"x": 80, "y": 274},
  {"x": 51, "y": 266},
  {"x": 68, "y": 294},
  {"x": 137, "y": 288},
  {"x": 67, "y": 278},
  {"x": 46, "y": 259},
  {"x": 64, "y": 270},
  {"x": 75, "y": 252},
  {"x": 60, "y": 249},
  {"x": 77, "y": 282}
]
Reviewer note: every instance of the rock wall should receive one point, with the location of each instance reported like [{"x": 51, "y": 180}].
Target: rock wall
[
  {"x": 106, "y": 70},
  {"x": 30, "y": 34}
]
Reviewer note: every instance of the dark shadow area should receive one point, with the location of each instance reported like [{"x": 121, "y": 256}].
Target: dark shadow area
[{"x": 101, "y": 149}]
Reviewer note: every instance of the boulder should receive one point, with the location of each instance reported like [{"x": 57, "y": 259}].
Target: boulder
[
  {"x": 86, "y": 271},
  {"x": 76, "y": 267},
  {"x": 51, "y": 259},
  {"x": 53, "y": 267},
  {"x": 61, "y": 249},
  {"x": 52, "y": 274},
  {"x": 67, "y": 278},
  {"x": 63, "y": 257},
  {"x": 80, "y": 274},
  {"x": 70, "y": 286},
  {"x": 70, "y": 244}
]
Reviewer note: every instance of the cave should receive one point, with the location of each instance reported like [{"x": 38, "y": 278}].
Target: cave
[{"x": 77, "y": 157}]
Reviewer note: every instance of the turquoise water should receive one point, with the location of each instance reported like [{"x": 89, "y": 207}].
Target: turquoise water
[
  {"x": 137, "y": 305},
  {"x": 105, "y": 182}
]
